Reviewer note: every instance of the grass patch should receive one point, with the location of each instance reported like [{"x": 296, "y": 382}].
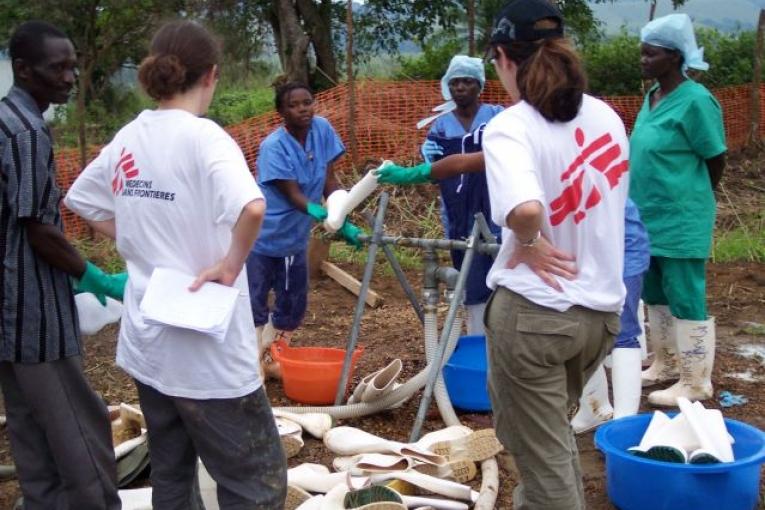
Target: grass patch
[
  {"x": 412, "y": 212},
  {"x": 408, "y": 258},
  {"x": 102, "y": 252},
  {"x": 739, "y": 245}
]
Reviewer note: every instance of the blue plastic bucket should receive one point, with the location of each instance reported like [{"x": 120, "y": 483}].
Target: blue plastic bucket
[
  {"x": 636, "y": 483},
  {"x": 465, "y": 375}
]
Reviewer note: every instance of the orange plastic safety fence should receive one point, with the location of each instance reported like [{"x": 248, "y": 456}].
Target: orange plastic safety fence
[{"x": 385, "y": 124}]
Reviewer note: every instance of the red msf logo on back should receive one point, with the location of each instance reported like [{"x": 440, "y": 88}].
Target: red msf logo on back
[
  {"x": 124, "y": 170},
  {"x": 603, "y": 155}
]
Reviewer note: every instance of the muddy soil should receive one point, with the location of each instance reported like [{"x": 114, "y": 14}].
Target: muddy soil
[{"x": 736, "y": 298}]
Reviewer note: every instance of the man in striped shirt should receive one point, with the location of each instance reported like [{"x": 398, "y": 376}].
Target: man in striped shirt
[{"x": 58, "y": 427}]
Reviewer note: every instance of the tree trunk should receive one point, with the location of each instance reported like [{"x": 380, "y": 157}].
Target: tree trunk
[
  {"x": 318, "y": 24},
  {"x": 754, "y": 134},
  {"x": 293, "y": 42},
  {"x": 471, "y": 27},
  {"x": 83, "y": 87},
  {"x": 273, "y": 21},
  {"x": 652, "y": 12},
  {"x": 351, "y": 85}
]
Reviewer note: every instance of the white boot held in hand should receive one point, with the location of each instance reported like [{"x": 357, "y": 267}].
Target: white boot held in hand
[
  {"x": 662, "y": 342},
  {"x": 594, "y": 407},
  {"x": 696, "y": 351},
  {"x": 340, "y": 203},
  {"x": 625, "y": 378}
]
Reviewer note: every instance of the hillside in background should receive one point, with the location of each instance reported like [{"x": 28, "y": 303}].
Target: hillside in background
[{"x": 724, "y": 15}]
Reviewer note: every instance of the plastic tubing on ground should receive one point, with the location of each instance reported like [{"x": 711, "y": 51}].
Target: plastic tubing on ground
[
  {"x": 489, "y": 470},
  {"x": 431, "y": 344}
]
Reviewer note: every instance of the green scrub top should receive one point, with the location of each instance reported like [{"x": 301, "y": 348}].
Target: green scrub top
[{"x": 669, "y": 179}]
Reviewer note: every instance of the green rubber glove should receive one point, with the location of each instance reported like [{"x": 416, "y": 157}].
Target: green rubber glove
[
  {"x": 394, "y": 174},
  {"x": 316, "y": 211},
  {"x": 101, "y": 284},
  {"x": 350, "y": 233}
]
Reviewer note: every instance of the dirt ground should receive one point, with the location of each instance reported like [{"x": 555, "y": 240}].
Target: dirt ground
[{"x": 736, "y": 297}]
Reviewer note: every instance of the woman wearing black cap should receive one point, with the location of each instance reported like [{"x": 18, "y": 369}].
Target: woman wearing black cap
[{"x": 556, "y": 164}]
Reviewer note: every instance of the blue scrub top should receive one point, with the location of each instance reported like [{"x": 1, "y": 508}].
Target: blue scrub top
[
  {"x": 466, "y": 194},
  {"x": 285, "y": 229},
  {"x": 448, "y": 126},
  {"x": 637, "y": 249}
]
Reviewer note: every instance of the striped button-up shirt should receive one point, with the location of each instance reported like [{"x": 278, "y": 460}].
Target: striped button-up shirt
[{"x": 38, "y": 319}]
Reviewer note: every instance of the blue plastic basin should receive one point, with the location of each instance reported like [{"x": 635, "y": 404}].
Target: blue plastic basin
[
  {"x": 465, "y": 375},
  {"x": 635, "y": 483}
]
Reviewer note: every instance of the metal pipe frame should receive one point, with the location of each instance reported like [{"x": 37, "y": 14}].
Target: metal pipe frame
[
  {"x": 361, "y": 302},
  {"x": 438, "y": 359}
]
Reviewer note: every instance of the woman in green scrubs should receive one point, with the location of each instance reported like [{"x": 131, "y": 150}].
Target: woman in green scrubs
[{"x": 677, "y": 156}]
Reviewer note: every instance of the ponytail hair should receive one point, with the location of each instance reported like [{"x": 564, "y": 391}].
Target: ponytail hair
[{"x": 550, "y": 76}]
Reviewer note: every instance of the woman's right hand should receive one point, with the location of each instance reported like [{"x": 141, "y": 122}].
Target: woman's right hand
[
  {"x": 223, "y": 272},
  {"x": 403, "y": 175},
  {"x": 546, "y": 261}
]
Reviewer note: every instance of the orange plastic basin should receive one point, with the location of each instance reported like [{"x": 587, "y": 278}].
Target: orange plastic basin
[{"x": 311, "y": 374}]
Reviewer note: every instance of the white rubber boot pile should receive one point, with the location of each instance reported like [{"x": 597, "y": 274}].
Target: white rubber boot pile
[{"x": 695, "y": 435}]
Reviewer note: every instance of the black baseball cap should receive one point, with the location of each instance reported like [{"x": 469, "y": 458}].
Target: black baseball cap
[{"x": 516, "y": 20}]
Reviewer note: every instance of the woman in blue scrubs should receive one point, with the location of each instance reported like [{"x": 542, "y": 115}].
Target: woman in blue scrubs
[{"x": 294, "y": 171}]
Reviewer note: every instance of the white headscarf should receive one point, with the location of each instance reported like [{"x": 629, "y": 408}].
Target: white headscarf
[
  {"x": 461, "y": 66},
  {"x": 675, "y": 32}
]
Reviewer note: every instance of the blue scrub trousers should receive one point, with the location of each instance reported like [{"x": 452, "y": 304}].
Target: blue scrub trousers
[
  {"x": 288, "y": 278},
  {"x": 630, "y": 326}
]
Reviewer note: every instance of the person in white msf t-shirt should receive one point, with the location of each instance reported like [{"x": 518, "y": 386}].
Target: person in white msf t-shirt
[
  {"x": 556, "y": 167},
  {"x": 174, "y": 190}
]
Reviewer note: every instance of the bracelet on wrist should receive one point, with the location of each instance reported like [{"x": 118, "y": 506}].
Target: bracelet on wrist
[{"x": 531, "y": 242}]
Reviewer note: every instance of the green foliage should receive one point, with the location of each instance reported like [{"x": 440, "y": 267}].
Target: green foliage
[
  {"x": 730, "y": 57},
  {"x": 383, "y": 24},
  {"x": 432, "y": 63},
  {"x": 117, "y": 106},
  {"x": 236, "y": 104},
  {"x": 613, "y": 65},
  {"x": 105, "y": 115}
]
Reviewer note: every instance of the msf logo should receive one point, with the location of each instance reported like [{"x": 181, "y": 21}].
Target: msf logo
[
  {"x": 603, "y": 155},
  {"x": 123, "y": 171}
]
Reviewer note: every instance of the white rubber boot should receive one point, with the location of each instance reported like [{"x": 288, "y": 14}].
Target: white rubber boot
[
  {"x": 340, "y": 203},
  {"x": 594, "y": 407},
  {"x": 267, "y": 335},
  {"x": 641, "y": 337},
  {"x": 709, "y": 427},
  {"x": 662, "y": 341},
  {"x": 625, "y": 379},
  {"x": 474, "y": 323},
  {"x": 696, "y": 351}
]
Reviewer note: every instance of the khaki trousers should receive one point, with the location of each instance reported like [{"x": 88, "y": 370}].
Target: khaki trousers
[{"x": 539, "y": 360}]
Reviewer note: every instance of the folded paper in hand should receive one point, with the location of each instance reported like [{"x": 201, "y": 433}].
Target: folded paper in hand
[{"x": 168, "y": 301}]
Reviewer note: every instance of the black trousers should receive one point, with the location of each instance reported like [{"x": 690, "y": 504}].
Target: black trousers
[
  {"x": 236, "y": 439},
  {"x": 60, "y": 437}
]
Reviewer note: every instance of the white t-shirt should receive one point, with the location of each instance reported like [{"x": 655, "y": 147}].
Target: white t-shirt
[
  {"x": 578, "y": 171},
  {"x": 175, "y": 185}
]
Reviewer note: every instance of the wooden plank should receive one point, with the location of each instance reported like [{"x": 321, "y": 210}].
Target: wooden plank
[
  {"x": 318, "y": 252},
  {"x": 346, "y": 280}
]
